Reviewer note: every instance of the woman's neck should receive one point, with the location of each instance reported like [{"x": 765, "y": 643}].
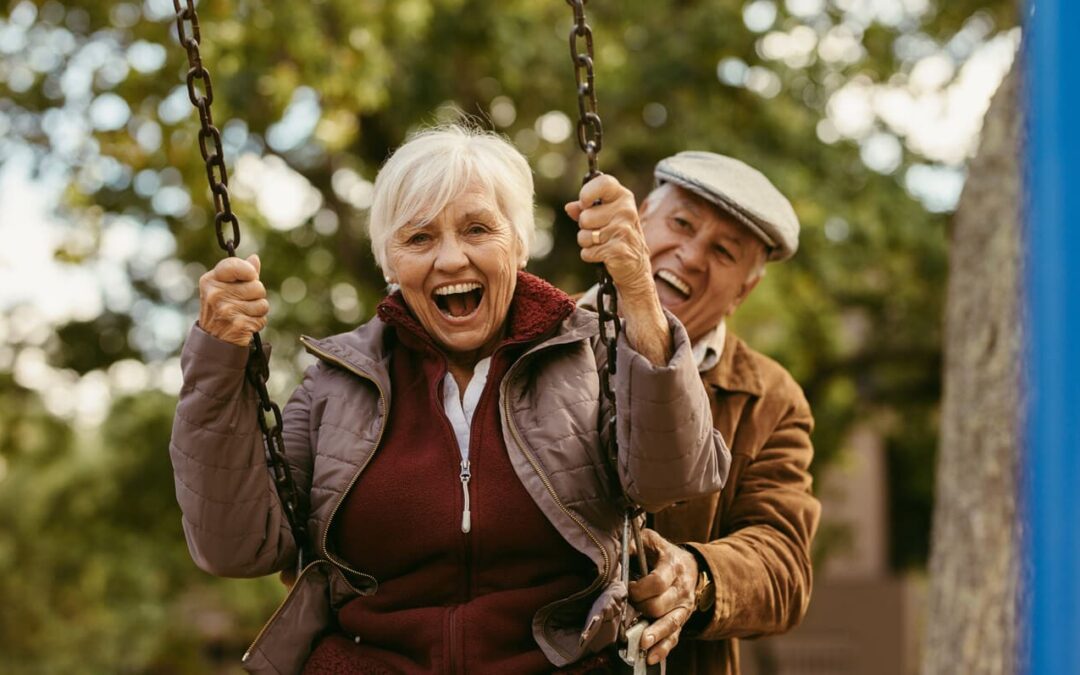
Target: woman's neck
[
  {"x": 462, "y": 376},
  {"x": 461, "y": 365}
]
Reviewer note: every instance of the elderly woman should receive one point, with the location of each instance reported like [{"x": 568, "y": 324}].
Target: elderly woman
[{"x": 448, "y": 451}]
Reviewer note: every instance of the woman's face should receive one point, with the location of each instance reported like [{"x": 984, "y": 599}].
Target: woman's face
[{"x": 458, "y": 273}]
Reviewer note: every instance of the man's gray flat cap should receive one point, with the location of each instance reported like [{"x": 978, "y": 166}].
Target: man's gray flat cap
[{"x": 740, "y": 190}]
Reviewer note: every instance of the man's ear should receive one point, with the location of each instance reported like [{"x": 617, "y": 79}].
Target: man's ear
[{"x": 744, "y": 292}]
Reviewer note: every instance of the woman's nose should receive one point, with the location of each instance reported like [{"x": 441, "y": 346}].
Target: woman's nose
[{"x": 450, "y": 256}]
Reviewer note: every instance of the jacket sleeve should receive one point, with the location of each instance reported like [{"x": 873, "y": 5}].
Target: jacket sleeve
[
  {"x": 231, "y": 514},
  {"x": 668, "y": 448},
  {"x": 761, "y": 570}
]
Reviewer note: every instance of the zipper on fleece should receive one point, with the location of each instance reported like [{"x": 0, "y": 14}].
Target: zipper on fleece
[
  {"x": 466, "y": 512},
  {"x": 451, "y": 642}
]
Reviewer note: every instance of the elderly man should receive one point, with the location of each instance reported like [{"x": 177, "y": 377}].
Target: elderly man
[{"x": 736, "y": 563}]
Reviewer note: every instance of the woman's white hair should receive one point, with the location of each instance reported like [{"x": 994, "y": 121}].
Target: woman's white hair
[{"x": 437, "y": 165}]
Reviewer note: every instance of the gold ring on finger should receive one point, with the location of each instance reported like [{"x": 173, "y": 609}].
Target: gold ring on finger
[{"x": 596, "y": 237}]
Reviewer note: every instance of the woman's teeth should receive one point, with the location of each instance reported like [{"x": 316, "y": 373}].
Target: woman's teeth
[
  {"x": 459, "y": 300},
  {"x": 457, "y": 288}
]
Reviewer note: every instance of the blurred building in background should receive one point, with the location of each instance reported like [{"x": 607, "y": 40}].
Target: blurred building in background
[{"x": 864, "y": 619}]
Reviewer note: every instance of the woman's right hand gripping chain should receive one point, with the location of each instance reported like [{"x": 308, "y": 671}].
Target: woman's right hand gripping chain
[{"x": 232, "y": 301}]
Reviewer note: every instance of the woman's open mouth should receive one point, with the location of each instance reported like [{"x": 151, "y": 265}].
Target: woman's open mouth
[{"x": 458, "y": 301}]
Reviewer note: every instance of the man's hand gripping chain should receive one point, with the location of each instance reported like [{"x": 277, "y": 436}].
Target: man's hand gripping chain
[{"x": 633, "y": 624}]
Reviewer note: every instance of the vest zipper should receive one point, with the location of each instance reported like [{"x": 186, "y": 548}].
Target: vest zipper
[
  {"x": 304, "y": 340},
  {"x": 378, "y": 441},
  {"x": 527, "y": 452},
  {"x": 466, "y": 513}
]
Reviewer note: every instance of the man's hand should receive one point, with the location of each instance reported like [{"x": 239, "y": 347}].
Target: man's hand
[
  {"x": 666, "y": 595},
  {"x": 610, "y": 234},
  {"x": 232, "y": 300}
]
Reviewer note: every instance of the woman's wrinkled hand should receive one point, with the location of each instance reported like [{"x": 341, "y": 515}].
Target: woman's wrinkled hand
[
  {"x": 665, "y": 595},
  {"x": 232, "y": 300},
  {"x": 610, "y": 234}
]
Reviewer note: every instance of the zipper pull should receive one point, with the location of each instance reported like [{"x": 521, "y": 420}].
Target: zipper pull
[{"x": 466, "y": 514}]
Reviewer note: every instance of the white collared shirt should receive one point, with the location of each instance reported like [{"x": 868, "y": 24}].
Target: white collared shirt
[
  {"x": 460, "y": 409},
  {"x": 708, "y": 349}
]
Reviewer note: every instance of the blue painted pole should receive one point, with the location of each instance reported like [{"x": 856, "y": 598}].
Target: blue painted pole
[{"x": 1052, "y": 37}]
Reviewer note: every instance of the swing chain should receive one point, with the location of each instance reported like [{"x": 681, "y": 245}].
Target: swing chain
[
  {"x": 258, "y": 368},
  {"x": 271, "y": 425},
  {"x": 187, "y": 30},
  {"x": 590, "y": 137},
  {"x": 590, "y": 131}
]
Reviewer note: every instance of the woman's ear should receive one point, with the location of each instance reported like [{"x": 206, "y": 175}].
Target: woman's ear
[{"x": 521, "y": 250}]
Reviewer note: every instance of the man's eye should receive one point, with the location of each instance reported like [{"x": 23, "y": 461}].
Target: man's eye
[
  {"x": 682, "y": 223},
  {"x": 722, "y": 252}
]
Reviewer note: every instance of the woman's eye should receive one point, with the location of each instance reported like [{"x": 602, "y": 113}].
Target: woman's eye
[
  {"x": 477, "y": 228},
  {"x": 418, "y": 238}
]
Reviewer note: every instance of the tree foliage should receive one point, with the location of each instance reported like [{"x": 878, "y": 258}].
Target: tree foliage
[{"x": 95, "y": 575}]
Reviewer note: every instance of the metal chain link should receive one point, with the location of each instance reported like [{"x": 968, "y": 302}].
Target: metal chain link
[
  {"x": 590, "y": 134},
  {"x": 258, "y": 369},
  {"x": 590, "y": 130}
]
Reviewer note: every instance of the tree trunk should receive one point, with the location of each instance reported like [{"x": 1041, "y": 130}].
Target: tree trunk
[{"x": 975, "y": 559}]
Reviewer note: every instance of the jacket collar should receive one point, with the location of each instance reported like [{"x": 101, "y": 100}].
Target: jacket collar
[
  {"x": 363, "y": 349},
  {"x": 736, "y": 370}
]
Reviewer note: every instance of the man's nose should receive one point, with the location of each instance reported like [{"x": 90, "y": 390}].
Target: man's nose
[
  {"x": 692, "y": 254},
  {"x": 450, "y": 256}
]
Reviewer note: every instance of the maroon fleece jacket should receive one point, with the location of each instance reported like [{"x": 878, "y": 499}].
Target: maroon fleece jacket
[{"x": 448, "y": 601}]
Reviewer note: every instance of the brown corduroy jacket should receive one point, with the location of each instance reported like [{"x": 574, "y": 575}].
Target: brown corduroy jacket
[{"x": 755, "y": 534}]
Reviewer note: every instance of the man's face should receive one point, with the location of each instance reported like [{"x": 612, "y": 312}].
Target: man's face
[{"x": 704, "y": 262}]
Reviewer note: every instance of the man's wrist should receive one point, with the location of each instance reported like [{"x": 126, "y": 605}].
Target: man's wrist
[{"x": 704, "y": 592}]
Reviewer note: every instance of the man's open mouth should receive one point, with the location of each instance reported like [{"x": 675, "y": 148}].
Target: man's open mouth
[
  {"x": 675, "y": 283},
  {"x": 458, "y": 300}
]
